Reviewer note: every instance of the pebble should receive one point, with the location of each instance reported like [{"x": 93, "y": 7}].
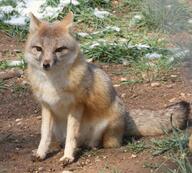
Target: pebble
[
  {"x": 9, "y": 74},
  {"x": 170, "y": 86},
  {"x": 172, "y": 100},
  {"x": 155, "y": 84},
  {"x": 40, "y": 169},
  {"x": 182, "y": 94},
  {"x": 123, "y": 95},
  {"x": 123, "y": 79},
  {"x": 174, "y": 76},
  {"x": 116, "y": 85},
  {"x": 18, "y": 119},
  {"x": 133, "y": 155}
]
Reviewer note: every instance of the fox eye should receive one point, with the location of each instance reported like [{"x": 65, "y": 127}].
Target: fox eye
[
  {"x": 38, "y": 48},
  {"x": 60, "y": 49}
]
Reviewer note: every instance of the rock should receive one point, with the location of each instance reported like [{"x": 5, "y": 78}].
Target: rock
[
  {"x": 123, "y": 79},
  {"x": 172, "y": 100},
  {"x": 24, "y": 82},
  {"x": 67, "y": 172},
  {"x": 90, "y": 60},
  {"x": 39, "y": 117},
  {"x": 116, "y": 85},
  {"x": 87, "y": 161},
  {"x": 133, "y": 155},
  {"x": 155, "y": 84},
  {"x": 40, "y": 169},
  {"x": 182, "y": 94},
  {"x": 123, "y": 95},
  {"x": 18, "y": 119},
  {"x": 170, "y": 85},
  {"x": 8, "y": 74},
  {"x": 174, "y": 76}
]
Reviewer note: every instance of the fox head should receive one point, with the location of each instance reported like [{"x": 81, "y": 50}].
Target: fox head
[{"x": 51, "y": 45}]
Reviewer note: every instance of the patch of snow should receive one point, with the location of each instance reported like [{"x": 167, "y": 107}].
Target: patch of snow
[
  {"x": 168, "y": 6},
  {"x": 16, "y": 20},
  {"x": 101, "y": 13},
  {"x": 114, "y": 28},
  {"x": 38, "y": 8},
  {"x": 138, "y": 17},
  {"x": 6, "y": 9},
  {"x": 1, "y": 16},
  {"x": 83, "y": 34},
  {"x": 190, "y": 21},
  {"x": 74, "y": 2},
  {"x": 94, "y": 45},
  {"x": 108, "y": 28},
  {"x": 141, "y": 46},
  {"x": 153, "y": 55},
  {"x": 15, "y": 63}
]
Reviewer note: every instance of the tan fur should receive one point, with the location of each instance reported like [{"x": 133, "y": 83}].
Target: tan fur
[{"x": 79, "y": 104}]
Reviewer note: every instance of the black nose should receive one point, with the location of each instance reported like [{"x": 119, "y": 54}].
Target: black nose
[{"x": 46, "y": 66}]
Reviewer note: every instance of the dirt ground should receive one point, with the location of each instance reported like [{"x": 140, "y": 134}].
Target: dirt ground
[{"x": 20, "y": 123}]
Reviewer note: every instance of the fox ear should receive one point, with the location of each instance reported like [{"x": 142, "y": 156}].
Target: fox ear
[
  {"x": 67, "y": 21},
  {"x": 34, "y": 23}
]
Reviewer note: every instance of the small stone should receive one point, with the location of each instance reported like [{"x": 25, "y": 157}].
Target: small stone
[
  {"x": 172, "y": 100},
  {"x": 125, "y": 62},
  {"x": 174, "y": 76},
  {"x": 155, "y": 84},
  {"x": 18, "y": 119},
  {"x": 82, "y": 163},
  {"x": 24, "y": 82},
  {"x": 182, "y": 94},
  {"x": 170, "y": 86},
  {"x": 38, "y": 117},
  {"x": 40, "y": 169},
  {"x": 116, "y": 85},
  {"x": 87, "y": 161},
  {"x": 67, "y": 172},
  {"x": 133, "y": 156},
  {"x": 123, "y": 95},
  {"x": 19, "y": 123},
  {"x": 90, "y": 60},
  {"x": 123, "y": 79}
]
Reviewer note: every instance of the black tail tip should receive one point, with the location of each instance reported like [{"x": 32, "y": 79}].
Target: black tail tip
[{"x": 183, "y": 105}]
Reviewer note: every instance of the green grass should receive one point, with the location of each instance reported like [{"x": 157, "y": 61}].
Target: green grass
[
  {"x": 136, "y": 146},
  {"x": 108, "y": 168},
  {"x": 19, "y": 88},
  {"x": 178, "y": 141},
  {"x": 167, "y": 16},
  {"x": 20, "y": 32},
  {"x": 2, "y": 86}
]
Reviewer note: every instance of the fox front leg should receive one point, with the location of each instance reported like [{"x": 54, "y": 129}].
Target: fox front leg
[
  {"x": 46, "y": 134},
  {"x": 73, "y": 128}
]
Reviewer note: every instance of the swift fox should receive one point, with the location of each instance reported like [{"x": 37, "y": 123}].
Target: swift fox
[{"x": 79, "y": 103}]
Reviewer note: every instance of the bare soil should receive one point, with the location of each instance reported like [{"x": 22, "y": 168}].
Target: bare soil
[{"x": 20, "y": 123}]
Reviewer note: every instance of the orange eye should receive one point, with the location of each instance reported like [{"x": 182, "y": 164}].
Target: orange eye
[{"x": 60, "y": 49}]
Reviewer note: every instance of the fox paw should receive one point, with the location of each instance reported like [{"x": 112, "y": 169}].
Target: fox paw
[
  {"x": 37, "y": 156},
  {"x": 66, "y": 160}
]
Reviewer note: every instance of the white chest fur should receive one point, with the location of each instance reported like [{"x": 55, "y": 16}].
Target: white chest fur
[{"x": 50, "y": 89}]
